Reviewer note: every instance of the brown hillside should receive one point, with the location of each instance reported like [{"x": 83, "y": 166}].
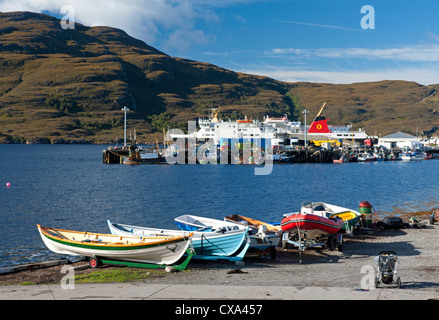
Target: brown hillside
[
  {"x": 380, "y": 107},
  {"x": 71, "y": 84}
]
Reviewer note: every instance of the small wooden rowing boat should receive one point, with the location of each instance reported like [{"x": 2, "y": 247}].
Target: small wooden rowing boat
[
  {"x": 153, "y": 250},
  {"x": 252, "y": 223}
]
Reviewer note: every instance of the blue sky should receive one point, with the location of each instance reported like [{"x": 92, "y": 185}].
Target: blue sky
[{"x": 289, "y": 40}]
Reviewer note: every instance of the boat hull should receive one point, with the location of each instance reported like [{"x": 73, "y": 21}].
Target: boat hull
[
  {"x": 208, "y": 225},
  {"x": 350, "y": 219},
  {"x": 208, "y": 243},
  {"x": 412, "y": 157},
  {"x": 349, "y": 216},
  {"x": 160, "y": 160},
  {"x": 258, "y": 240},
  {"x": 311, "y": 222},
  {"x": 164, "y": 251},
  {"x": 264, "y": 243}
]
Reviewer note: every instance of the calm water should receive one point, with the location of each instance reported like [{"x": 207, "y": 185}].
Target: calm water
[{"x": 68, "y": 186}]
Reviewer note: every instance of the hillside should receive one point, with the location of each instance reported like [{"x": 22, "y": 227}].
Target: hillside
[
  {"x": 67, "y": 85},
  {"x": 382, "y": 107}
]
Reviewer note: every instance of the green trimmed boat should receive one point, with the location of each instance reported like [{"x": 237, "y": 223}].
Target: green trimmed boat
[{"x": 148, "y": 250}]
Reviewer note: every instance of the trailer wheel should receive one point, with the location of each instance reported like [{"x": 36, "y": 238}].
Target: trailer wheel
[
  {"x": 273, "y": 253},
  {"x": 94, "y": 262},
  {"x": 332, "y": 242}
]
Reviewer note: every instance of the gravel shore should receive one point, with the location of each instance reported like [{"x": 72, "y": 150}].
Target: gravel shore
[{"x": 417, "y": 248}]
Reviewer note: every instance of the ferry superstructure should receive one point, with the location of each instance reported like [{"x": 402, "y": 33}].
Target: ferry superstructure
[{"x": 277, "y": 129}]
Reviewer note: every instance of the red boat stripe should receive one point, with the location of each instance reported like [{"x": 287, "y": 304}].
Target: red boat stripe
[{"x": 304, "y": 220}]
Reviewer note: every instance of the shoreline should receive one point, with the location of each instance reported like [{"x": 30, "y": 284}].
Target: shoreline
[{"x": 321, "y": 268}]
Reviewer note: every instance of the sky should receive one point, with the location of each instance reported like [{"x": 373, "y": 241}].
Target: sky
[{"x": 330, "y": 41}]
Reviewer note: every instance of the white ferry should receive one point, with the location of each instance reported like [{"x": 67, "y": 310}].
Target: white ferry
[
  {"x": 277, "y": 129},
  {"x": 319, "y": 127}
]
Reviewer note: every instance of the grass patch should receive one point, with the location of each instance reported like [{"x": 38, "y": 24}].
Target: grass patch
[{"x": 118, "y": 275}]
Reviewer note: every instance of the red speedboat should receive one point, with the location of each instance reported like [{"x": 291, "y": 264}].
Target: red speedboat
[{"x": 311, "y": 221}]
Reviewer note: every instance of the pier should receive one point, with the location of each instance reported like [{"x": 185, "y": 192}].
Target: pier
[
  {"x": 280, "y": 155},
  {"x": 311, "y": 156},
  {"x": 112, "y": 155}
]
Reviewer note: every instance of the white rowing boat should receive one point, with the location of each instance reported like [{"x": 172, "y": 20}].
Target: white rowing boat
[{"x": 154, "y": 250}]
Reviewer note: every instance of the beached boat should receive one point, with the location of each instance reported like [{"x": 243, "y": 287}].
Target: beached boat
[
  {"x": 189, "y": 222},
  {"x": 312, "y": 227},
  {"x": 220, "y": 243},
  {"x": 314, "y": 224},
  {"x": 195, "y": 223},
  {"x": 314, "y": 221},
  {"x": 349, "y": 216},
  {"x": 150, "y": 250},
  {"x": 253, "y": 223},
  {"x": 263, "y": 236}
]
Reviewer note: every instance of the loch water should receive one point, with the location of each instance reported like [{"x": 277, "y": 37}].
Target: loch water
[{"x": 69, "y": 187}]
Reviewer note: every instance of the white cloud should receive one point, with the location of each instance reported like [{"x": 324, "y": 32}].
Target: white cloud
[
  {"x": 182, "y": 40},
  {"x": 411, "y": 63},
  {"x": 420, "y": 53},
  {"x": 423, "y": 76},
  {"x": 151, "y": 21}
]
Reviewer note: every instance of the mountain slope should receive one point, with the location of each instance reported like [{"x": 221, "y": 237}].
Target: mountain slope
[
  {"x": 71, "y": 84},
  {"x": 380, "y": 107}
]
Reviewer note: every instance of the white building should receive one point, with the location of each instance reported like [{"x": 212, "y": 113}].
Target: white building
[{"x": 400, "y": 140}]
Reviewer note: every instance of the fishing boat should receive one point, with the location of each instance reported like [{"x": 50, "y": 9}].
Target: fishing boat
[
  {"x": 217, "y": 243},
  {"x": 342, "y": 159},
  {"x": 366, "y": 157},
  {"x": 139, "y": 155},
  {"x": 165, "y": 250},
  {"x": 413, "y": 156},
  {"x": 144, "y": 160},
  {"x": 263, "y": 236}
]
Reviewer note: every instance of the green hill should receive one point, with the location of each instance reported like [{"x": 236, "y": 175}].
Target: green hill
[{"x": 68, "y": 85}]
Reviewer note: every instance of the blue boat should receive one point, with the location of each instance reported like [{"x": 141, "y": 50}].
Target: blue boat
[
  {"x": 211, "y": 244},
  {"x": 261, "y": 242}
]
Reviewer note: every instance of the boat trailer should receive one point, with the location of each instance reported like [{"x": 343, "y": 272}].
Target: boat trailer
[{"x": 302, "y": 242}]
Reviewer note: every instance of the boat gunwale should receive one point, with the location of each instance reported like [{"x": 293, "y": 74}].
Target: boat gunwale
[
  {"x": 111, "y": 246},
  {"x": 252, "y": 222}
]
